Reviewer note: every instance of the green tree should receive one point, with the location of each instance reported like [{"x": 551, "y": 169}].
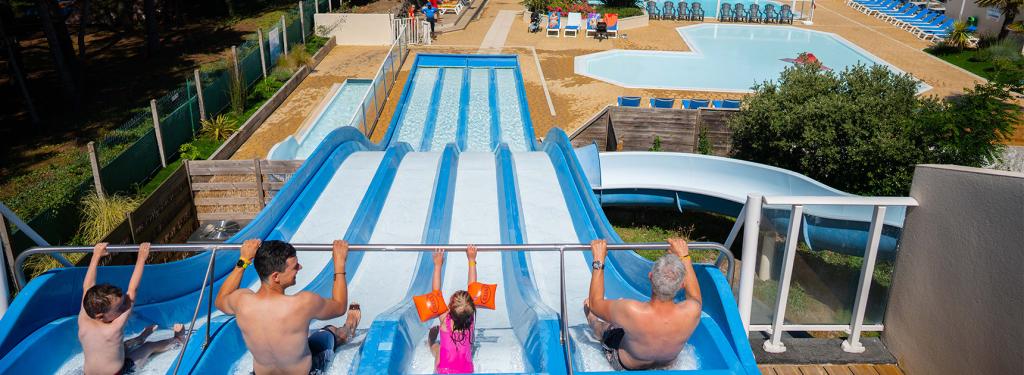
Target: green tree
[
  {"x": 1009, "y": 9},
  {"x": 864, "y": 129},
  {"x": 959, "y": 36}
]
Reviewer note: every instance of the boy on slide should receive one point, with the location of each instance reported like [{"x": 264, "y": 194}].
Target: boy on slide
[
  {"x": 454, "y": 353},
  {"x": 101, "y": 322},
  {"x": 275, "y": 325}
]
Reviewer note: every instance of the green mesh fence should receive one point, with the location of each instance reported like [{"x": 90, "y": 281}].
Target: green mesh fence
[
  {"x": 249, "y": 63},
  {"x": 216, "y": 93},
  {"x": 133, "y": 166},
  {"x": 294, "y": 31},
  {"x": 308, "y": 8},
  {"x": 116, "y": 141}
]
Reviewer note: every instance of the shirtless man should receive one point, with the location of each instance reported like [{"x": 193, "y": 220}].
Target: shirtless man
[
  {"x": 644, "y": 335},
  {"x": 101, "y": 322},
  {"x": 275, "y": 325}
]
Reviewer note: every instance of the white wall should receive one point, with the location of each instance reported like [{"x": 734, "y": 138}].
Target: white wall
[
  {"x": 986, "y": 25},
  {"x": 356, "y": 29},
  {"x": 957, "y": 304}
]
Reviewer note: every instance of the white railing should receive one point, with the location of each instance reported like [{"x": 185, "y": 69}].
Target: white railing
[
  {"x": 365, "y": 119},
  {"x": 750, "y": 217},
  {"x": 418, "y": 31}
]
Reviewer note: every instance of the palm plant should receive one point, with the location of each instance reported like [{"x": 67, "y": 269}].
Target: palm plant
[
  {"x": 219, "y": 128},
  {"x": 959, "y": 36},
  {"x": 1009, "y": 9}
]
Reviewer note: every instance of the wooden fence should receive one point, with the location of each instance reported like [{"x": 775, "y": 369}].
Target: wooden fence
[
  {"x": 236, "y": 189},
  {"x": 635, "y": 129}
]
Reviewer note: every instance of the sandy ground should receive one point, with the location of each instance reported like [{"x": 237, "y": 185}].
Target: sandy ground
[{"x": 575, "y": 99}]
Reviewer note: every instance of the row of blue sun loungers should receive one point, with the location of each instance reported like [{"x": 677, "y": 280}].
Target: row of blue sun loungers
[
  {"x": 634, "y": 101},
  {"x": 918, "y": 20},
  {"x": 755, "y": 13},
  {"x": 670, "y": 11}
]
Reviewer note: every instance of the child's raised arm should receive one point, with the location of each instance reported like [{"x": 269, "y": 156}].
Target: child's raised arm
[
  {"x": 140, "y": 264},
  {"x": 438, "y": 262},
  {"x": 471, "y": 257},
  {"x": 98, "y": 252}
]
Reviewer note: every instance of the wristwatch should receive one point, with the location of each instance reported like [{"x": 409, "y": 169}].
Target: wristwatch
[
  {"x": 597, "y": 265},
  {"x": 242, "y": 263}
]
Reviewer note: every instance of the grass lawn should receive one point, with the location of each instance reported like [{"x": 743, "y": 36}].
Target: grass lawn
[{"x": 962, "y": 59}]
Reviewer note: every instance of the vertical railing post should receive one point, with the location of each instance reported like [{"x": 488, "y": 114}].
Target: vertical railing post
[
  {"x": 330, "y": 7},
  {"x": 752, "y": 226},
  {"x": 867, "y": 271},
  {"x": 284, "y": 35},
  {"x": 775, "y": 345},
  {"x": 564, "y": 318},
  {"x": 260, "y": 196},
  {"x": 8, "y": 260},
  {"x": 302, "y": 22},
  {"x": 159, "y": 135},
  {"x": 263, "y": 54},
  {"x": 199, "y": 95},
  {"x": 94, "y": 163}
]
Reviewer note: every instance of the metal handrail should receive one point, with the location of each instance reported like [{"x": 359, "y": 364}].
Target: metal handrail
[{"x": 213, "y": 248}]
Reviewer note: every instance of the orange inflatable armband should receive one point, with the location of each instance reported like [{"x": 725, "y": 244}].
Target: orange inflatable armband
[
  {"x": 483, "y": 294},
  {"x": 430, "y": 305}
]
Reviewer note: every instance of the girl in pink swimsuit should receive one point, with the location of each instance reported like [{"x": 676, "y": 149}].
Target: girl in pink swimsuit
[{"x": 451, "y": 341}]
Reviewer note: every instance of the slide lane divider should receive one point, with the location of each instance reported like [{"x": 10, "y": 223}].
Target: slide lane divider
[
  {"x": 492, "y": 98},
  {"x": 393, "y": 335},
  {"x": 524, "y": 110},
  {"x": 431, "y": 121},
  {"x": 535, "y": 324},
  {"x": 462, "y": 133}
]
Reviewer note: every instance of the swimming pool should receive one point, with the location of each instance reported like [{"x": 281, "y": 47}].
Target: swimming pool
[
  {"x": 336, "y": 110},
  {"x": 724, "y": 58}
]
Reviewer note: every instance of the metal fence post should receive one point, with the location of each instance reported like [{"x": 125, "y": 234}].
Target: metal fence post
[
  {"x": 5, "y": 242},
  {"x": 302, "y": 23},
  {"x": 199, "y": 95},
  {"x": 159, "y": 136},
  {"x": 867, "y": 270},
  {"x": 330, "y": 7},
  {"x": 775, "y": 345},
  {"x": 263, "y": 54},
  {"x": 259, "y": 183},
  {"x": 284, "y": 35},
  {"x": 751, "y": 227},
  {"x": 94, "y": 162}
]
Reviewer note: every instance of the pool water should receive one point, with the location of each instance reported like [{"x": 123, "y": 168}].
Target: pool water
[
  {"x": 338, "y": 111},
  {"x": 724, "y": 58},
  {"x": 483, "y": 103}
]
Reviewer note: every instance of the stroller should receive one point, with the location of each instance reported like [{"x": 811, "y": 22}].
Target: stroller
[{"x": 534, "y": 22}]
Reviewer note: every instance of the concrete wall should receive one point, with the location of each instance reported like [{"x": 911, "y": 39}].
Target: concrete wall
[
  {"x": 986, "y": 25},
  {"x": 356, "y": 29},
  {"x": 957, "y": 304}
]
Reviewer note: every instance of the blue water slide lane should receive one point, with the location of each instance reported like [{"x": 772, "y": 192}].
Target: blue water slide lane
[
  {"x": 462, "y": 133},
  {"x": 524, "y": 110},
  {"x": 46, "y": 310},
  {"x": 629, "y": 271},
  {"x": 431, "y": 121},
  {"x": 492, "y": 98},
  {"x": 535, "y": 324},
  {"x": 401, "y": 106},
  {"x": 228, "y": 346},
  {"x": 393, "y": 335}
]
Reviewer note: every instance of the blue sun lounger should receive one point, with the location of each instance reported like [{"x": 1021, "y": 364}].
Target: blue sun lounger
[
  {"x": 629, "y": 101},
  {"x": 663, "y": 103},
  {"x": 727, "y": 104},
  {"x": 695, "y": 103}
]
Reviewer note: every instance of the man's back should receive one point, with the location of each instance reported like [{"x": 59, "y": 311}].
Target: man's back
[
  {"x": 655, "y": 335},
  {"x": 275, "y": 329}
]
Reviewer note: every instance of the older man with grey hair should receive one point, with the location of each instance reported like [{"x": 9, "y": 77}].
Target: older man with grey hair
[{"x": 644, "y": 335}]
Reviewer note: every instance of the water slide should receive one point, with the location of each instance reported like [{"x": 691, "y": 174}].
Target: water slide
[
  {"x": 721, "y": 185},
  {"x": 38, "y": 334}
]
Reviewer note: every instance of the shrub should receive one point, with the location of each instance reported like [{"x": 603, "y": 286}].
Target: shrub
[
  {"x": 219, "y": 128},
  {"x": 295, "y": 59},
  {"x": 656, "y": 145},
  {"x": 314, "y": 43},
  {"x": 264, "y": 89},
  {"x": 864, "y": 129},
  {"x": 101, "y": 215},
  {"x": 236, "y": 91},
  {"x": 703, "y": 143},
  {"x": 188, "y": 151}
]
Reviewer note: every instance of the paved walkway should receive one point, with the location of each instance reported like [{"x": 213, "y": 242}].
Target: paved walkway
[{"x": 496, "y": 35}]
